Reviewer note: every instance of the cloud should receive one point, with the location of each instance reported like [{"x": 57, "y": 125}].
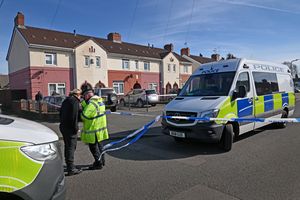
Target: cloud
[{"x": 254, "y": 5}]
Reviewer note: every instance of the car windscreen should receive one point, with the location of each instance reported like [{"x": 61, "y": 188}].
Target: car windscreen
[
  {"x": 150, "y": 92},
  {"x": 5, "y": 121},
  {"x": 216, "y": 84}
]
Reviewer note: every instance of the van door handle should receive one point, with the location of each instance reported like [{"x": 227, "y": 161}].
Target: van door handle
[{"x": 250, "y": 100}]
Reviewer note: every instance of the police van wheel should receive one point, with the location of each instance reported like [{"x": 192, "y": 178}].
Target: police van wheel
[
  {"x": 227, "y": 138},
  {"x": 282, "y": 125},
  {"x": 113, "y": 109}
]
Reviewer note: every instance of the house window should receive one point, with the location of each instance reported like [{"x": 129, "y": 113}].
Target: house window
[
  {"x": 86, "y": 61},
  {"x": 137, "y": 65},
  {"x": 57, "y": 88},
  {"x": 147, "y": 66},
  {"x": 125, "y": 64},
  {"x": 50, "y": 58},
  {"x": 118, "y": 87},
  {"x": 98, "y": 62},
  {"x": 185, "y": 69},
  {"x": 174, "y": 68},
  {"x": 152, "y": 86},
  {"x": 169, "y": 67}
]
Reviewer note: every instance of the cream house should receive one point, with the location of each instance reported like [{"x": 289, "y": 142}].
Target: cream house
[{"x": 52, "y": 61}]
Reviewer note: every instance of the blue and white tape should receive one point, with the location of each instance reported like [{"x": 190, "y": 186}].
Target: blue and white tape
[
  {"x": 141, "y": 131},
  {"x": 208, "y": 119}
]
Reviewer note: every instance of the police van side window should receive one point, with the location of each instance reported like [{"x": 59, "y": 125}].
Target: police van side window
[
  {"x": 265, "y": 83},
  {"x": 243, "y": 80}
]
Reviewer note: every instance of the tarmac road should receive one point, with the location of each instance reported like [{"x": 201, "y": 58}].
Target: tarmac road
[{"x": 264, "y": 164}]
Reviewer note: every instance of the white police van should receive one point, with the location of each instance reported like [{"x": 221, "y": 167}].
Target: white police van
[
  {"x": 234, "y": 88},
  {"x": 30, "y": 161}
]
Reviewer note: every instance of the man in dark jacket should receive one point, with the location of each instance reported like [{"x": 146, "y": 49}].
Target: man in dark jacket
[
  {"x": 39, "y": 96},
  {"x": 69, "y": 113}
]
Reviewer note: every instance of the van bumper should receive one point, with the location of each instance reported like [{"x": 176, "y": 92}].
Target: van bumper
[
  {"x": 207, "y": 132},
  {"x": 49, "y": 183}
]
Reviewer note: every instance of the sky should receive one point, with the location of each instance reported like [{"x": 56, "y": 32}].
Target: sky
[{"x": 261, "y": 30}]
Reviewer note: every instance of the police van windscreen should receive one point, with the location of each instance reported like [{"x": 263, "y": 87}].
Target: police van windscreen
[{"x": 216, "y": 84}]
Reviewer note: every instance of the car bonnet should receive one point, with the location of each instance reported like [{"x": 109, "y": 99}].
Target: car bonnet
[{"x": 26, "y": 131}]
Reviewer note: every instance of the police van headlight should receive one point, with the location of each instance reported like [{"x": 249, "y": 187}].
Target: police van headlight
[
  {"x": 210, "y": 113},
  {"x": 41, "y": 152}
]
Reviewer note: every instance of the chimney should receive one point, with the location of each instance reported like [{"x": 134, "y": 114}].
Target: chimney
[
  {"x": 19, "y": 20},
  {"x": 185, "y": 51},
  {"x": 215, "y": 56},
  {"x": 169, "y": 47},
  {"x": 115, "y": 37}
]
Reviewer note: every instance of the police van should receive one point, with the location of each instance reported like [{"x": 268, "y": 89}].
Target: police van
[
  {"x": 234, "y": 88},
  {"x": 30, "y": 161}
]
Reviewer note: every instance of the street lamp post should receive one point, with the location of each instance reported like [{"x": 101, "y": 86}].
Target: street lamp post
[{"x": 296, "y": 67}]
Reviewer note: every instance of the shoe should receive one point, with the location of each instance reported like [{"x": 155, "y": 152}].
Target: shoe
[
  {"x": 96, "y": 165},
  {"x": 74, "y": 171}
]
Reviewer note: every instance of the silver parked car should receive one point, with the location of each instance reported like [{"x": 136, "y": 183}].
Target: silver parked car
[{"x": 140, "y": 97}]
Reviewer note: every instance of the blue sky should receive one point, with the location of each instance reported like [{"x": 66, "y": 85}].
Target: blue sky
[{"x": 263, "y": 30}]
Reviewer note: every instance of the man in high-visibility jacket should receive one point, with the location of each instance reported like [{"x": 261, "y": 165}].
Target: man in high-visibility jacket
[{"x": 94, "y": 126}]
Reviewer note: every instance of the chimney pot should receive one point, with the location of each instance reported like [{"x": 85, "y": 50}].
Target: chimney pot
[
  {"x": 185, "y": 51},
  {"x": 19, "y": 20},
  {"x": 115, "y": 37},
  {"x": 215, "y": 57},
  {"x": 169, "y": 47}
]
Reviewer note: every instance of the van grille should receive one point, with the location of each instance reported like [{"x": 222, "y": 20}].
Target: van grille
[{"x": 181, "y": 114}]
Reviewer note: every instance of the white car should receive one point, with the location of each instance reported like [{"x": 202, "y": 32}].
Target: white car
[{"x": 140, "y": 97}]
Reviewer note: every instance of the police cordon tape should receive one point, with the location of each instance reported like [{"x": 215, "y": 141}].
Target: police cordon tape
[{"x": 141, "y": 131}]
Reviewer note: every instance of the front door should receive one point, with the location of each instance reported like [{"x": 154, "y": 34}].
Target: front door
[{"x": 245, "y": 106}]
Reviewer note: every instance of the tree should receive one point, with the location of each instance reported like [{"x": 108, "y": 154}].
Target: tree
[{"x": 292, "y": 67}]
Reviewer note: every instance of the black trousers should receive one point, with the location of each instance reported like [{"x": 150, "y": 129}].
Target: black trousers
[
  {"x": 70, "y": 140},
  {"x": 96, "y": 150}
]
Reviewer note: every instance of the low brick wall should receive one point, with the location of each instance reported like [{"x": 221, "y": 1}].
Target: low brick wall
[{"x": 32, "y": 110}]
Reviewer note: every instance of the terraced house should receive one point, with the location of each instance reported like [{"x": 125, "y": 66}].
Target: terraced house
[{"x": 54, "y": 61}]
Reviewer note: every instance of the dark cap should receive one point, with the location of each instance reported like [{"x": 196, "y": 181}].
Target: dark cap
[{"x": 86, "y": 91}]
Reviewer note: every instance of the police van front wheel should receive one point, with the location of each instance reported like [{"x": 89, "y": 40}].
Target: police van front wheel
[
  {"x": 227, "y": 138},
  {"x": 282, "y": 125}
]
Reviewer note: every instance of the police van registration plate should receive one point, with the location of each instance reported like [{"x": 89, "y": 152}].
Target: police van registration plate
[{"x": 177, "y": 134}]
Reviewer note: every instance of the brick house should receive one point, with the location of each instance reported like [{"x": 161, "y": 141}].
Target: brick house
[
  {"x": 54, "y": 61},
  {"x": 197, "y": 60}
]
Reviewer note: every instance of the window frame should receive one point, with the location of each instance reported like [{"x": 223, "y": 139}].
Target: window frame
[
  {"x": 117, "y": 84},
  {"x": 185, "y": 69},
  {"x": 57, "y": 87},
  {"x": 248, "y": 89},
  {"x": 146, "y": 66},
  {"x": 136, "y": 62},
  {"x": 153, "y": 86},
  {"x": 123, "y": 64},
  {"x": 174, "y": 67},
  {"x": 53, "y": 58},
  {"x": 98, "y": 62},
  {"x": 87, "y": 62},
  {"x": 270, "y": 86}
]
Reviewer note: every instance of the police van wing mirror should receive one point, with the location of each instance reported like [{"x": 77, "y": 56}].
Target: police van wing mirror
[
  {"x": 234, "y": 95},
  {"x": 242, "y": 91}
]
